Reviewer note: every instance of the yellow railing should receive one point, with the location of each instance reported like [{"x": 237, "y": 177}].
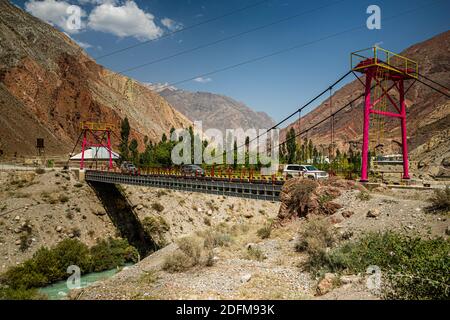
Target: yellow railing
[
  {"x": 96, "y": 126},
  {"x": 385, "y": 59}
]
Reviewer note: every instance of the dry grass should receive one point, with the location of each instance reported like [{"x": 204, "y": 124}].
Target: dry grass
[
  {"x": 158, "y": 207},
  {"x": 191, "y": 253},
  {"x": 440, "y": 201},
  {"x": 256, "y": 254},
  {"x": 363, "y": 196}
]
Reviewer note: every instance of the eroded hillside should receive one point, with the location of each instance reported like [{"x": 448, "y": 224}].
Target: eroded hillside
[{"x": 48, "y": 85}]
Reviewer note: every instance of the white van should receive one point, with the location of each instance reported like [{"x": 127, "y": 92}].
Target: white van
[{"x": 307, "y": 171}]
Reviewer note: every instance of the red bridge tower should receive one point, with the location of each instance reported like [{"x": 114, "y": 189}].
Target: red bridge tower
[{"x": 386, "y": 74}]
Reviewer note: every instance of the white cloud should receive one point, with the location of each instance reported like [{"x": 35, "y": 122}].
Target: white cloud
[
  {"x": 55, "y": 13},
  {"x": 84, "y": 45},
  {"x": 97, "y": 1},
  {"x": 171, "y": 24},
  {"x": 202, "y": 80},
  {"x": 127, "y": 20},
  {"x": 378, "y": 44}
]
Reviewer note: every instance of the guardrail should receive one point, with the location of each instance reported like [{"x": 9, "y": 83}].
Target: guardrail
[{"x": 243, "y": 189}]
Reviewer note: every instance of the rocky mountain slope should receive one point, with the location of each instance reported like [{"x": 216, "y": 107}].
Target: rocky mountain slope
[
  {"x": 428, "y": 112},
  {"x": 48, "y": 85},
  {"x": 214, "y": 110}
]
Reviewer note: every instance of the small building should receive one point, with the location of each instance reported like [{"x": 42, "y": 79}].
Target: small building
[{"x": 94, "y": 155}]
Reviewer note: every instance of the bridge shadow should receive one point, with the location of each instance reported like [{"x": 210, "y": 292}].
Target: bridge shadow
[{"x": 122, "y": 215}]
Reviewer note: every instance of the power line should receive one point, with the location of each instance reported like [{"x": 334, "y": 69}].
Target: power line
[
  {"x": 430, "y": 86},
  {"x": 275, "y": 53},
  {"x": 350, "y": 104},
  {"x": 323, "y": 120},
  {"x": 294, "y": 113},
  {"x": 182, "y": 29},
  {"x": 237, "y": 35},
  {"x": 432, "y": 81},
  {"x": 278, "y": 52},
  {"x": 290, "y": 49}
]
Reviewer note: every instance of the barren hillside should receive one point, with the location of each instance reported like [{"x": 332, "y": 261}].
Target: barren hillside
[{"x": 48, "y": 85}]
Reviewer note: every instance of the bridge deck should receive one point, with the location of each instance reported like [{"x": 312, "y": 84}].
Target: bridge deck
[{"x": 243, "y": 189}]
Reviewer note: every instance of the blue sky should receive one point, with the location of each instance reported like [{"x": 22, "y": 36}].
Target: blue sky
[{"x": 276, "y": 85}]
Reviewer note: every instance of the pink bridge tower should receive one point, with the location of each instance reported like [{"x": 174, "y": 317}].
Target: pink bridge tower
[
  {"x": 386, "y": 74},
  {"x": 97, "y": 135}
]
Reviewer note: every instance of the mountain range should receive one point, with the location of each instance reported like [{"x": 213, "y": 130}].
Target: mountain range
[{"x": 214, "y": 110}]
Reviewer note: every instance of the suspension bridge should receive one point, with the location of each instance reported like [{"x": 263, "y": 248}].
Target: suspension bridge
[{"x": 387, "y": 76}]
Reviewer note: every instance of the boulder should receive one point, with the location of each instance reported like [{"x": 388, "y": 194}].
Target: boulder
[
  {"x": 349, "y": 279},
  {"x": 246, "y": 277},
  {"x": 248, "y": 215},
  {"x": 303, "y": 197},
  {"x": 373, "y": 213},
  {"x": 347, "y": 213},
  {"x": 58, "y": 229},
  {"x": 336, "y": 218},
  {"x": 326, "y": 284}
]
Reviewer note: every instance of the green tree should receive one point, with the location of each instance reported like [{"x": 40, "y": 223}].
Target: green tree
[
  {"x": 291, "y": 145},
  {"x": 134, "y": 151},
  {"x": 124, "y": 136},
  {"x": 310, "y": 150}
]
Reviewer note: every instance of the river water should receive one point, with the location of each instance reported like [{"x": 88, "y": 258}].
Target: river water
[{"x": 59, "y": 290}]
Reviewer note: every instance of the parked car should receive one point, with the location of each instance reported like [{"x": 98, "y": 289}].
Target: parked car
[
  {"x": 128, "y": 167},
  {"x": 307, "y": 171},
  {"x": 192, "y": 169}
]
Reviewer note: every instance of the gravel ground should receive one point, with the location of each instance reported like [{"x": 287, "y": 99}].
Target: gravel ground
[{"x": 234, "y": 276}]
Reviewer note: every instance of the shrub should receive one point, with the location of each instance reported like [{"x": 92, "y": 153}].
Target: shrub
[
  {"x": 157, "y": 207},
  {"x": 440, "y": 201},
  {"x": 156, "y": 227},
  {"x": 314, "y": 238},
  {"x": 21, "y": 294},
  {"x": 111, "y": 253},
  {"x": 211, "y": 205},
  {"x": 76, "y": 232},
  {"x": 63, "y": 198},
  {"x": 21, "y": 195},
  {"x": 324, "y": 198},
  {"x": 189, "y": 254},
  {"x": 50, "y": 265},
  {"x": 363, "y": 196},
  {"x": 25, "y": 242},
  {"x": 160, "y": 193},
  {"x": 191, "y": 247},
  {"x": 73, "y": 252},
  {"x": 301, "y": 193},
  {"x": 215, "y": 238},
  {"x": 412, "y": 268},
  {"x": 207, "y": 221},
  {"x": 26, "y": 238},
  {"x": 148, "y": 277},
  {"x": 40, "y": 170},
  {"x": 265, "y": 231},
  {"x": 176, "y": 262},
  {"x": 69, "y": 214},
  {"x": 255, "y": 254}
]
